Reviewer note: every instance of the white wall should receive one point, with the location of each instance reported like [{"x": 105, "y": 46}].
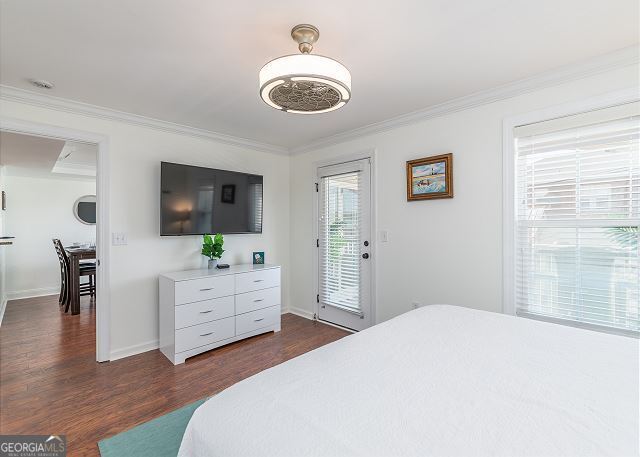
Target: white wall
[
  {"x": 440, "y": 251},
  {"x": 41, "y": 209},
  {"x": 135, "y": 155},
  {"x": 446, "y": 251}
]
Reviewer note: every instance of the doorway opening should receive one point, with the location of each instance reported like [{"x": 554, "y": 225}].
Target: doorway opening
[{"x": 52, "y": 225}]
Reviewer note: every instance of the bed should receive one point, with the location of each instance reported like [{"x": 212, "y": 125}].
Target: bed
[{"x": 438, "y": 381}]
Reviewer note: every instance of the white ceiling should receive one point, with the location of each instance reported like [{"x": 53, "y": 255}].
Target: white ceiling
[
  {"x": 25, "y": 155},
  {"x": 37, "y": 157},
  {"x": 196, "y": 62}
]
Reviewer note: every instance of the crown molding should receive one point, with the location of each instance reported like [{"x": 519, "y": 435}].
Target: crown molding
[
  {"x": 14, "y": 94},
  {"x": 618, "y": 59},
  {"x": 607, "y": 62}
]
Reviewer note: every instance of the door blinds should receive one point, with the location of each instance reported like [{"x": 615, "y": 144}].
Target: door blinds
[{"x": 339, "y": 239}]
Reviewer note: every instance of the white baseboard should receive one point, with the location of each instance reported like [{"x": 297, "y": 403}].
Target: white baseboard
[
  {"x": 151, "y": 345},
  {"x": 29, "y": 293},
  {"x": 133, "y": 350},
  {"x": 301, "y": 312},
  {"x": 3, "y": 306}
]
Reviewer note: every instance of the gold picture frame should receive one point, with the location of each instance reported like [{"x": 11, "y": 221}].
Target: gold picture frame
[{"x": 430, "y": 178}]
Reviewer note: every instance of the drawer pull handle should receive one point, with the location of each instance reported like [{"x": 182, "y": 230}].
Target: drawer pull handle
[
  {"x": 258, "y": 320},
  {"x": 259, "y": 299},
  {"x": 206, "y": 312},
  {"x": 208, "y": 288},
  {"x": 258, "y": 280},
  {"x": 207, "y": 334}
]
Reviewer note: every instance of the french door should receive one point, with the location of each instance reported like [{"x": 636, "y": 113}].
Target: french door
[{"x": 344, "y": 244}]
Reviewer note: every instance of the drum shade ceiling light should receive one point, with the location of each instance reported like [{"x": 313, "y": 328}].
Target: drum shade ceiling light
[{"x": 305, "y": 83}]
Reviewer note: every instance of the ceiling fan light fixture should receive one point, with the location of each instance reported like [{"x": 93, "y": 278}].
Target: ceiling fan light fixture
[
  {"x": 333, "y": 108},
  {"x": 305, "y": 83}
]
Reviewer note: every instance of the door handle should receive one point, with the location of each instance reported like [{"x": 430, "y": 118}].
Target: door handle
[
  {"x": 365, "y": 255},
  {"x": 206, "y": 312},
  {"x": 207, "y": 334}
]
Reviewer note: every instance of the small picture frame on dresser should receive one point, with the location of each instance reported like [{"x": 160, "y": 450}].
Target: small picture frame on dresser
[{"x": 258, "y": 258}]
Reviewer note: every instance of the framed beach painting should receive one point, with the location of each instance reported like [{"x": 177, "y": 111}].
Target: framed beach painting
[{"x": 429, "y": 178}]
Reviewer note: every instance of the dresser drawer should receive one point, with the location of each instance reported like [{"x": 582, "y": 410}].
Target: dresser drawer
[
  {"x": 204, "y": 289},
  {"x": 258, "y": 299},
  {"x": 256, "y": 280},
  {"x": 254, "y": 320},
  {"x": 204, "y": 311},
  {"x": 207, "y": 333}
]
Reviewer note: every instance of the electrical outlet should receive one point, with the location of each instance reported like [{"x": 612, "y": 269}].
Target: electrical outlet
[{"x": 118, "y": 239}]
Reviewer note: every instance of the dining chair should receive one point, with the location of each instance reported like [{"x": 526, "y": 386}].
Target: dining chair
[
  {"x": 62, "y": 298},
  {"x": 86, "y": 269}
]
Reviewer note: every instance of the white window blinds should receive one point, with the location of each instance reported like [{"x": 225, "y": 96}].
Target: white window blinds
[
  {"x": 577, "y": 216},
  {"x": 339, "y": 239}
]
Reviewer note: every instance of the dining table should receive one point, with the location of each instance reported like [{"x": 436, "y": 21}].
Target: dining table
[{"x": 76, "y": 254}]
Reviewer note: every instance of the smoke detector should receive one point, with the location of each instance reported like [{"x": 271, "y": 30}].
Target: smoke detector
[{"x": 41, "y": 83}]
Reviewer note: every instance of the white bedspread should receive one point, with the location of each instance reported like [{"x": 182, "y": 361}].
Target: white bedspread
[{"x": 437, "y": 381}]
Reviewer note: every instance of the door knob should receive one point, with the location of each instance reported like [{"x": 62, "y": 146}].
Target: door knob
[{"x": 365, "y": 255}]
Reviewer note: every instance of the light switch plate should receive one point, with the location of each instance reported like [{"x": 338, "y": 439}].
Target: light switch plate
[
  {"x": 118, "y": 238},
  {"x": 384, "y": 236}
]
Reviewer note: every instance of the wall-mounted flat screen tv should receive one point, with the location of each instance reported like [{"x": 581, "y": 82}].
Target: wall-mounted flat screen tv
[{"x": 197, "y": 200}]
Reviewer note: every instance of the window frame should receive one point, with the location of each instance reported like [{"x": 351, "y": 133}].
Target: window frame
[{"x": 509, "y": 173}]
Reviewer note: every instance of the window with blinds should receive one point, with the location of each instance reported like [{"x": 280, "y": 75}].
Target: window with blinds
[
  {"x": 339, "y": 239},
  {"x": 577, "y": 216}
]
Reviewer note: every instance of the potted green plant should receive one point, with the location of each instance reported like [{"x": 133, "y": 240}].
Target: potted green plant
[{"x": 212, "y": 248}]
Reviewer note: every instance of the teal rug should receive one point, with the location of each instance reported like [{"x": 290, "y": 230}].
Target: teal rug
[{"x": 160, "y": 437}]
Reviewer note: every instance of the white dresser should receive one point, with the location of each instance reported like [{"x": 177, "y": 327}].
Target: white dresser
[{"x": 204, "y": 309}]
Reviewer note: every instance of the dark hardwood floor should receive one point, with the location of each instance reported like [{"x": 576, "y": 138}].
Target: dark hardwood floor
[{"x": 50, "y": 382}]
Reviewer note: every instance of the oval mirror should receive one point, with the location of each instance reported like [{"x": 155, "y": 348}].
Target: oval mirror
[{"x": 84, "y": 209}]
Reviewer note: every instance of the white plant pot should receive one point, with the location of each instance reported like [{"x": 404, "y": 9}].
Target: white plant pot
[{"x": 212, "y": 263}]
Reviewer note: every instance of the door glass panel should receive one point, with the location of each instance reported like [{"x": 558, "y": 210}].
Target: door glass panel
[{"x": 340, "y": 240}]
